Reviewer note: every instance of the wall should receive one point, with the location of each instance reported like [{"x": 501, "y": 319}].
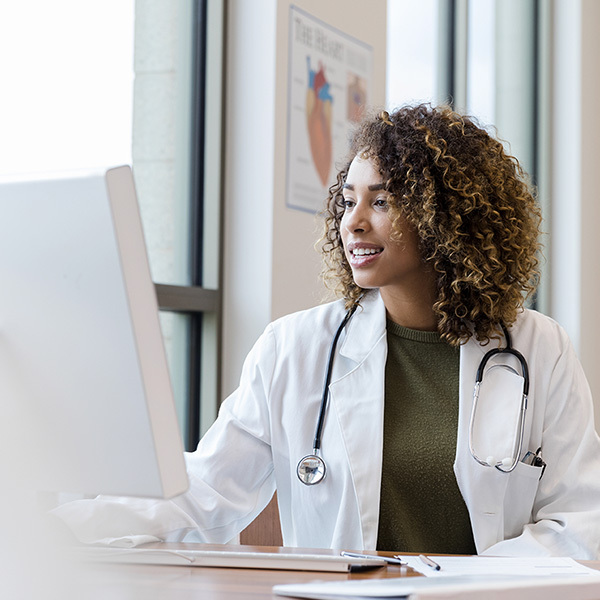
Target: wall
[
  {"x": 575, "y": 276},
  {"x": 271, "y": 268},
  {"x": 590, "y": 201}
]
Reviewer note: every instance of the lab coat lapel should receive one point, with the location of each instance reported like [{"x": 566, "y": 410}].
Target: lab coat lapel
[
  {"x": 483, "y": 488},
  {"x": 356, "y": 397}
]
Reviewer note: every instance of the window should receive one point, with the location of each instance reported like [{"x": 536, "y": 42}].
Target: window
[
  {"x": 67, "y": 101},
  {"x": 412, "y": 50},
  {"x": 177, "y": 114},
  {"x": 134, "y": 82},
  {"x": 488, "y": 58}
]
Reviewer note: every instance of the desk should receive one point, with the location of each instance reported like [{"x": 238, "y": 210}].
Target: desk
[{"x": 152, "y": 582}]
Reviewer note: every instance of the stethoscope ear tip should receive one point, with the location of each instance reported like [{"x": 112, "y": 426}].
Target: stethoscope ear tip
[{"x": 505, "y": 462}]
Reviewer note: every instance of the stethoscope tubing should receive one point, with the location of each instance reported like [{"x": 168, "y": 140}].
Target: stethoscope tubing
[
  {"x": 325, "y": 397},
  {"x": 311, "y": 468},
  {"x": 508, "y": 349}
]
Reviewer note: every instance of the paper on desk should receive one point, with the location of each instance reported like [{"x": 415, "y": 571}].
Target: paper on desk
[
  {"x": 450, "y": 588},
  {"x": 500, "y": 565}
]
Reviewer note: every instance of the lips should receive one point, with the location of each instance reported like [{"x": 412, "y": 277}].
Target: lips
[
  {"x": 363, "y": 251},
  {"x": 362, "y": 254}
]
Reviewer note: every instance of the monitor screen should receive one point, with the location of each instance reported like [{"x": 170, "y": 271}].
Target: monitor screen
[{"x": 83, "y": 370}]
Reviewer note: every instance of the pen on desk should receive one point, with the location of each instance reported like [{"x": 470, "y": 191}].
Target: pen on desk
[
  {"x": 430, "y": 563},
  {"x": 394, "y": 561}
]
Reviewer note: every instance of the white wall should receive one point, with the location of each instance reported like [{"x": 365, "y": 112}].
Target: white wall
[
  {"x": 250, "y": 98},
  {"x": 271, "y": 268},
  {"x": 590, "y": 197},
  {"x": 575, "y": 243}
]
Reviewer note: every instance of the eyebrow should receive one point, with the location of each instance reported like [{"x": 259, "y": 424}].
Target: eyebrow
[{"x": 372, "y": 188}]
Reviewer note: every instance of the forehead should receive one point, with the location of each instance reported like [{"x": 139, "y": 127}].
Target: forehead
[{"x": 363, "y": 170}]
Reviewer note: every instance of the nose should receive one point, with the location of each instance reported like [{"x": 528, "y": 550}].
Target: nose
[{"x": 356, "y": 220}]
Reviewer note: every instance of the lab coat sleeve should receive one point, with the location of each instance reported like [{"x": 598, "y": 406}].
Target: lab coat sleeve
[
  {"x": 231, "y": 474},
  {"x": 566, "y": 513}
]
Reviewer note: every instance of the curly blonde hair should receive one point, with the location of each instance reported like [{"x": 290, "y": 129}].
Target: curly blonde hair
[{"x": 477, "y": 219}]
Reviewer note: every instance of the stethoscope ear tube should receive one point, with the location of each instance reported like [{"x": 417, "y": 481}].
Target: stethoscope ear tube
[{"x": 503, "y": 465}]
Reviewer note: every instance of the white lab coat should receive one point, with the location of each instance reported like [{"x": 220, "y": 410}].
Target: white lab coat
[{"x": 269, "y": 422}]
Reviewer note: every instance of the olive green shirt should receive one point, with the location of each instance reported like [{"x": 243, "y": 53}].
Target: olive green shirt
[{"x": 422, "y": 509}]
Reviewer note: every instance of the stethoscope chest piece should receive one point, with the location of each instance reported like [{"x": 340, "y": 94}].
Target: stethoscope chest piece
[{"x": 311, "y": 469}]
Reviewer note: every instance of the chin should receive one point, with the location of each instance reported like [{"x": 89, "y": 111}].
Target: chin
[{"x": 365, "y": 283}]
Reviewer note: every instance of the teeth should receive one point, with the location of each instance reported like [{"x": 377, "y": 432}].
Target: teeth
[{"x": 363, "y": 251}]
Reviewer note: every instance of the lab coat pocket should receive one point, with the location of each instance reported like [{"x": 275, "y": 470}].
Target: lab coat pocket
[{"x": 520, "y": 496}]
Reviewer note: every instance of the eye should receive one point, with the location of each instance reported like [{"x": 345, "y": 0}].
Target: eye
[
  {"x": 347, "y": 204},
  {"x": 381, "y": 203}
]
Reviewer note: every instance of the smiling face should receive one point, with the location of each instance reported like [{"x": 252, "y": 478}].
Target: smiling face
[{"x": 377, "y": 260}]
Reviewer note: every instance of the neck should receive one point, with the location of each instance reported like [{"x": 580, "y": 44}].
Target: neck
[{"x": 414, "y": 311}]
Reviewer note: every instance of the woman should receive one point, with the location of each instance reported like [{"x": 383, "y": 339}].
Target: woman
[{"x": 431, "y": 238}]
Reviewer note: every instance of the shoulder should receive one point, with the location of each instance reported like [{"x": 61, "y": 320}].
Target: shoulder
[
  {"x": 295, "y": 335},
  {"x": 322, "y": 319},
  {"x": 326, "y": 318},
  {"x": 532, "y": 323},
  {"x": 306, "y": 333},
  {"x": 541, "y": 335}
]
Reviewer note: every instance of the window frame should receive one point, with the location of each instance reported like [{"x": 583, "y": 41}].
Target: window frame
[{"x": 203, "y": 305}]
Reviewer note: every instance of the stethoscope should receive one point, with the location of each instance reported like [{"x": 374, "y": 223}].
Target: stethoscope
[
  {"x": 311, "y": 469},
  {"x": 508, "y": 463}
]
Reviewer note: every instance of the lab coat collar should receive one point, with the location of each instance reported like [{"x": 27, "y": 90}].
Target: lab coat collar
[{"x": 365, "y": 329}]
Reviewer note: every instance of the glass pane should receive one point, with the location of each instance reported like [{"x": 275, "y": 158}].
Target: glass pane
[
  {"x": 176, "y": 334},
  {"x": 67, "y": 93},
  {"x": 209, "y": 372},
  {"x": 412, "y": 33},
  {"x": 162, "y": 126},
  {"x": 481, "y": 68}
]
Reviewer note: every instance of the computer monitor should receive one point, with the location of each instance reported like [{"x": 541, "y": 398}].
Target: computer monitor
[{"x": 83, "y": 370}]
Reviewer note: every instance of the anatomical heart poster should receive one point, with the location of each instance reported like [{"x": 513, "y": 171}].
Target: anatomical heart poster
[{"x": 329, "y": 86}]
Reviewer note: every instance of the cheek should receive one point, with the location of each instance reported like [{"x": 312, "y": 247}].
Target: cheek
[
  {"x": 343, "y": 232},
  {"x": 412, "y": 244},
  {"x": 384, "y": 228},
  {"x": 343, "y": 223}
]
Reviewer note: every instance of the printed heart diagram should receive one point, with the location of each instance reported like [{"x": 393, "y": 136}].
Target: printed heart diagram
[{"x": 319, "y": 103}]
